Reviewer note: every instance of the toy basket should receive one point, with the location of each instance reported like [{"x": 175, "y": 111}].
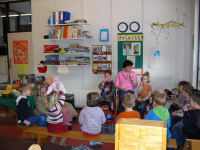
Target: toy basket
[
  {"x": 6, "y": 95},
  {"x": 109, "y": 126}
]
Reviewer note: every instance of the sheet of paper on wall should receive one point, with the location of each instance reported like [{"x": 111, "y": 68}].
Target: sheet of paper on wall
[
  {"x": 138, "y": 71},
  {"x": 109, "y": 58},
  {"x": 154, "y": 58},
  {"x": 132, "y": 59},
  {"x": 104, "y": 48},
  {"x": 63, "y": 69}
]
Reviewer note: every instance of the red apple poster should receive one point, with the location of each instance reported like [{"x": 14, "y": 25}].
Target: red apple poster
[{"x": 20, "y": 52}]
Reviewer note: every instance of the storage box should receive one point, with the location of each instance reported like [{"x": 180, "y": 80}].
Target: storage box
[
  {"x": 140, "y": 134},
  {"x": 109, "y": 126}
]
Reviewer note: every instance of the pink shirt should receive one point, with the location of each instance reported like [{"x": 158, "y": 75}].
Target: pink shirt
[{"x": 124, "y": 81}]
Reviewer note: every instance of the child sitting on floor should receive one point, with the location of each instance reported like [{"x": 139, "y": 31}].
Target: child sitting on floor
[
  {"x": 24, "y": 111},
  {"x": 108, "y": 88},
  {"x": 190, "y": 127},
  {"x": 92, "y": 117},
  {"x": 54, "y": 104},
  {"x": 158, "y": 112},
  {"x": 129, "y": 103}
]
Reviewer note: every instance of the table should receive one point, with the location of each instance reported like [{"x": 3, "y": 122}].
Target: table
[{"x": 11, "y": 103}]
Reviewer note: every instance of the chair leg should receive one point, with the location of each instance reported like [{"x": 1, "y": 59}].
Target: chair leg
[{"x": 116, "y": 106}]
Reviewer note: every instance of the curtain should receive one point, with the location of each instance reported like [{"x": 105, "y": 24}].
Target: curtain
[{"x": 3, "y": 64}]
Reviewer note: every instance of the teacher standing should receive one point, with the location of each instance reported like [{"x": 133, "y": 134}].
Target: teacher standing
[{"x": 126, "y": 82}]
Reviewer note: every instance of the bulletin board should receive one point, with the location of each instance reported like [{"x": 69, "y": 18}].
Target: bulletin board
[
  {"x": 130, "y": 46},
  {"x": 20, "y": 52},
  {"x": 102, "y": 58}
]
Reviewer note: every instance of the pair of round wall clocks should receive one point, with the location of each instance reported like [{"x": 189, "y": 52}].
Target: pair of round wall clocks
[{"x": 123, "y": 27}]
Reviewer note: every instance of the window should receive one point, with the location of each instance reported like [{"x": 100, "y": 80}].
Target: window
[
  {"x": 2, "y": 20},
  {"x": 20, "y": 16}
]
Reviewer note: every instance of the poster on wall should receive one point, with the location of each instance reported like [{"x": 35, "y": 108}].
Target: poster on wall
[
  {"x": 154, "y": 58},
  {"x": 20, "y": 52},
  {"x": 132, "y": 59},
  {"x": 131, "y": 49}
]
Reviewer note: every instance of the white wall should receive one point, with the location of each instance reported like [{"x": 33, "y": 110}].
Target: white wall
[{"x": 175, "y": 50}]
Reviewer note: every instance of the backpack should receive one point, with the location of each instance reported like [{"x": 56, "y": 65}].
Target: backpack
[{"x": 106, "y": 107}]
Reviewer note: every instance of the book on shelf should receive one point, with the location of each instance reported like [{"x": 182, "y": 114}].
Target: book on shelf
[
  {"x": 57, "y": 13},
  {"x": 94, "y": 66},
  {"x": 65, "y": 34},
  {"x": 54, "y": 17},
  {"x": 71, "y": 32},
  {"x": 59, "y": 32},
  {"x": 55, "y": 36},
  {"x": 62, "y": 32},
  {"x": 75, "y": 32},
  {"x": 104, "y": 66}
]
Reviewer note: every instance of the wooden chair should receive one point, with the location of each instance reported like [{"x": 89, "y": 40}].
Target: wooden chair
[{"x": 191, "y": 144}]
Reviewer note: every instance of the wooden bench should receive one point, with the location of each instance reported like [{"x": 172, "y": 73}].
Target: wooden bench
[
  {"x": 78, "y": 135},
  {"x": 171, "y": 143},
  {"x": 26, "y": 135},
  {"x": 191, "y": 144}
]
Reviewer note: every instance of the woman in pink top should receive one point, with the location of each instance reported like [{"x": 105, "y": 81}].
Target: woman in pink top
[{"x": 126, "y": 82}]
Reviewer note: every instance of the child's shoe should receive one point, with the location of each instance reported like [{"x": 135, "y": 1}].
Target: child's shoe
[
  {"x": 53, "y": 140},
  {"x": 95, "y": 143},
  {"x": 62, "y": 142}
]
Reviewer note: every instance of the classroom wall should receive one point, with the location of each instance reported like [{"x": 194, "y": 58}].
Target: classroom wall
[{"x": 175, "y": 50}]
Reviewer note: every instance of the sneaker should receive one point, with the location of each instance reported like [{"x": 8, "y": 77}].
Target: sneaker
[{"x": 95, "y": 143}]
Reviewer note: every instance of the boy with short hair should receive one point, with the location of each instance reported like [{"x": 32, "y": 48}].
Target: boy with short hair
[
  {"x": 129, "y": 103},
  {"x": 178, "y": 103},
  {"x": 107, "y": 87},
  {"x": 158, "y": 112},
  {"x": 191, "y": 122},
  {"x": 24, "y": 111},
  {"x": 186, "y": 90}
]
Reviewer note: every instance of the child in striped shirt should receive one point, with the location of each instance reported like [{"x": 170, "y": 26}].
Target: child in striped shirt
[
  {"x": 54, "y": 104},
  {"x": 92, "y": 117}
]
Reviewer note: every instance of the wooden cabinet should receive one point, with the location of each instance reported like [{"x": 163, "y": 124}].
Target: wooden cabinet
[{"x": 140, "y": 134}]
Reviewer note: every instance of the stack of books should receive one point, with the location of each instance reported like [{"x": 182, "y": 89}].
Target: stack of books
[{"x": 50, "y": 48}]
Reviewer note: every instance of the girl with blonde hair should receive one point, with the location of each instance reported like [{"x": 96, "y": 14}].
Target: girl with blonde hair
[
  {"x": 144, "y": 90},
  {"x": 54, "y": 105}
]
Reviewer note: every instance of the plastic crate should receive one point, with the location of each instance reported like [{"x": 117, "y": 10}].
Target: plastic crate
[{"x": 109, "y": 126}]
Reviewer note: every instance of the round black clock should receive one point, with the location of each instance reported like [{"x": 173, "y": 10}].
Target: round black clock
[
  {"x": 134, "y": 26},
  {"x": 122, "y": 27}
]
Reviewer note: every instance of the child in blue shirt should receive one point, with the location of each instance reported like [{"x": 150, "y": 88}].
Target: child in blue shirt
[{"x": 158, "y": 112}]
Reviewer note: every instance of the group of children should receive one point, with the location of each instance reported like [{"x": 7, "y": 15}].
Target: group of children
[{"x": 51, "y": 112}]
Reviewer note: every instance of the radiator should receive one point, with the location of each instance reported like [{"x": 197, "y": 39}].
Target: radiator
[{"x": 80, "y": 96}]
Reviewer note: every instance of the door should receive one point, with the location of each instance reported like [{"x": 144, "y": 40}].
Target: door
[{"x": 20, "y": 53}]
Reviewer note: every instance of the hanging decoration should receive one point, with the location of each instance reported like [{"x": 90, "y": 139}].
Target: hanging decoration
[{"x": 158, "y": 28}]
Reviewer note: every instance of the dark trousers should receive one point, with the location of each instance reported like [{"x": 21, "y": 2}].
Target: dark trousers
[
  {"x": 120, "y": 94},
  {"x": 141, "y": 107},
  {"x": 174, "y": 120}
]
